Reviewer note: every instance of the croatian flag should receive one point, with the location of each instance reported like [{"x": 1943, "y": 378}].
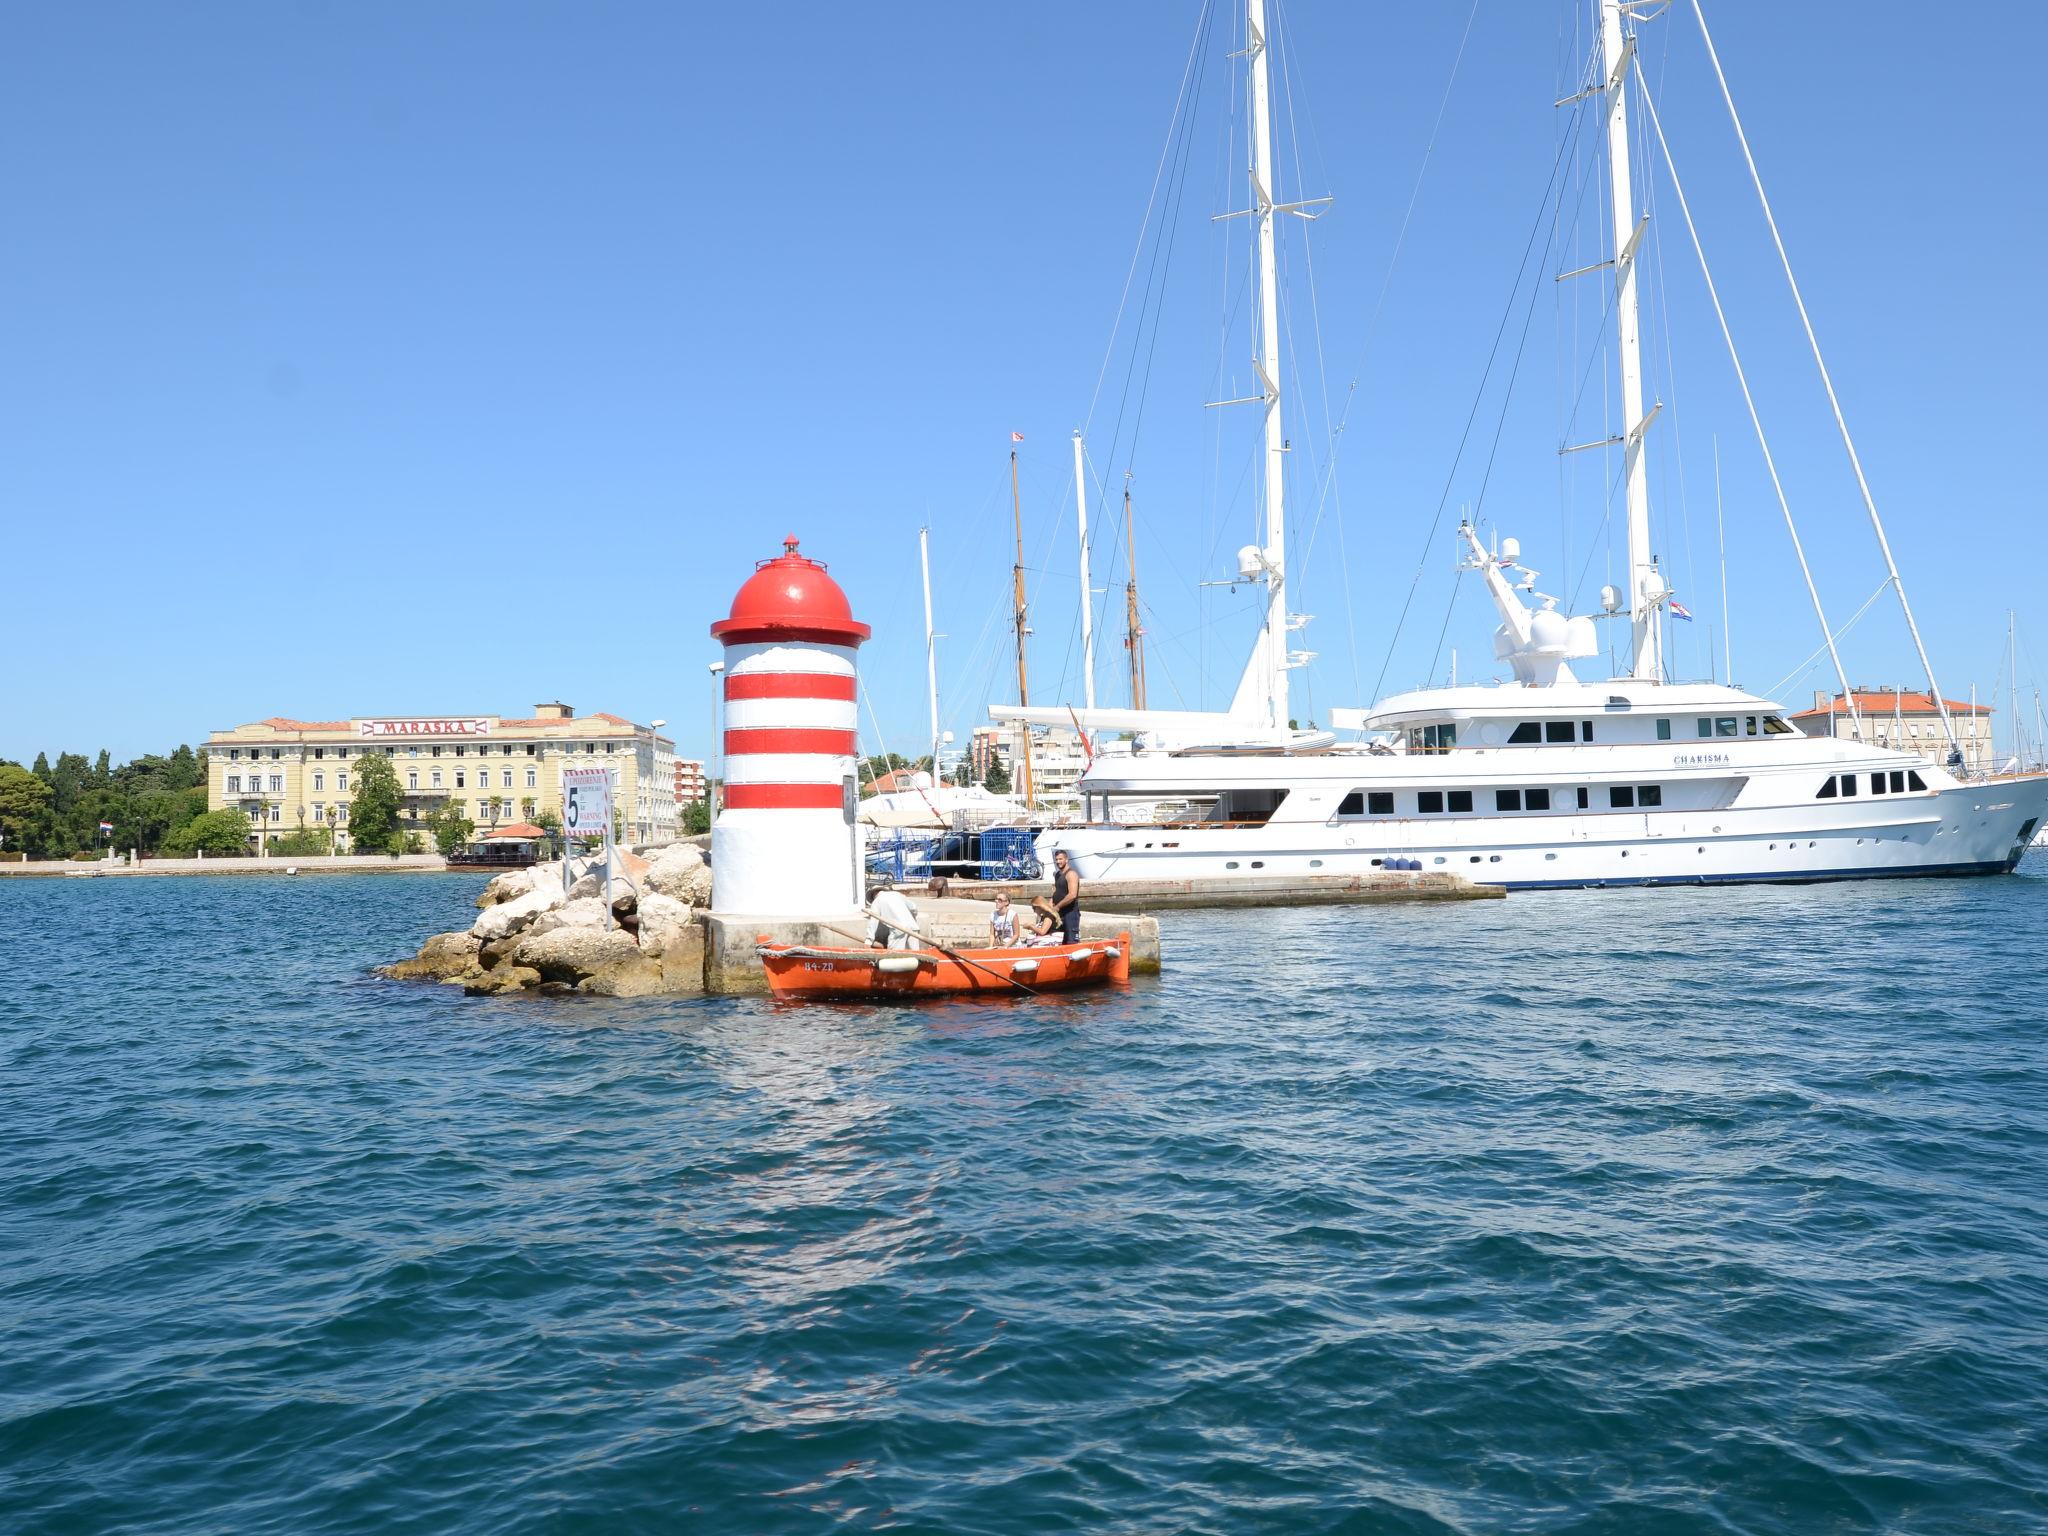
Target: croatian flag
[
  {"x": 1678, "y": 611},
  {"x": 106, "y": 826},
  {"x": 1016, "y": 437}
]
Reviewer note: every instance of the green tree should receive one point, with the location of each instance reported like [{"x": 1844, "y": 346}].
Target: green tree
[
  {"x": 220, "y": 833},
  {"x": 373, "y": 813},
  {"x": 998, "y": 780},
  {"x": 526, "y": 808},
  {"x": 24, "y": 801},
  {"x": 450, "y": 827},
  {"x": 305, "y": 842},
  {"x": 873, "y": 768},
  {"x": 696, "y": 817},
  {"x": 102, "y": 771}
]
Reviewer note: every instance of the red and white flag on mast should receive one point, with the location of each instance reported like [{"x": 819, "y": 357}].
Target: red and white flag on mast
[{"x": 1016, "y": 437}]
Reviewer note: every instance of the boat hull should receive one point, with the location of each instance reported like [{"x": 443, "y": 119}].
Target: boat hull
[
  {"x": 857, "y": 975},
  {"x": 1972, "y": 829}
]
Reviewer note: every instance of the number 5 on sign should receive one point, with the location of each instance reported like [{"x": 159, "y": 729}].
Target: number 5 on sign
[{"x": 587, "y": 802}]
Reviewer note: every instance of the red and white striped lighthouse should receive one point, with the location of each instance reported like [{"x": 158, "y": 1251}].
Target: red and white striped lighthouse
[{"x": 785, "y": 844}]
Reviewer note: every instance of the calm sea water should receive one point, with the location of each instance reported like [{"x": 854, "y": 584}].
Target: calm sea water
[{"x": 1661, "y": 1211}]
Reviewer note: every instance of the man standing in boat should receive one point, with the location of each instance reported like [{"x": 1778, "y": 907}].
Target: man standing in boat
[{"x": 1066, "y": 896}]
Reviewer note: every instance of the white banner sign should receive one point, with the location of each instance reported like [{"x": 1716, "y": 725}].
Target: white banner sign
[
  {"x": 586, "y": 802},
  {"x": 472, "y": 727}
]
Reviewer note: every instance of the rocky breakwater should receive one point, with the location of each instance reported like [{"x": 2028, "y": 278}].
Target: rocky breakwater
[{"x": 532, "y": 935}]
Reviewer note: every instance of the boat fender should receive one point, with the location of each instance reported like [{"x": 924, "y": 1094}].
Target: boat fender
[
  {"x": 897, "y": 965},
  {"x": 1024, "y": 968},
  {"x": 1080, "y": 954},
  {"x": 1110, "y": 953}
]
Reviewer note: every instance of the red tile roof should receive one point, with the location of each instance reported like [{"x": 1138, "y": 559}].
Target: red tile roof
[
  {"x": 280, "y": 723},
  {"x": 1886, "y": 701}
]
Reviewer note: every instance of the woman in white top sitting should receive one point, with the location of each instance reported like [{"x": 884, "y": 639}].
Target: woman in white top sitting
[{"x": 1002, "y": 923}]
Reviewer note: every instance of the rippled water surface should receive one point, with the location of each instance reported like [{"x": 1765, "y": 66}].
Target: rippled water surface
[{"x": 1669, "y": 1211}]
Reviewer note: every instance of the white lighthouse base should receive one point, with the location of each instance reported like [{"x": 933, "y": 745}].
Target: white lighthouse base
[{"x": 787, "y": 864}]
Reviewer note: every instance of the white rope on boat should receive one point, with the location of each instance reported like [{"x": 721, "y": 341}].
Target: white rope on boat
[{"x": 1812, "y": 341}]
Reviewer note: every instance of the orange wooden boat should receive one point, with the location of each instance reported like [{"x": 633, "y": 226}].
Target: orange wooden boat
[{"x": 853, "y": 975}]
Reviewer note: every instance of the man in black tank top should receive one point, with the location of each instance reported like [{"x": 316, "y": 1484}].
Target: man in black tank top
[{"x": 1066, "y": 896}]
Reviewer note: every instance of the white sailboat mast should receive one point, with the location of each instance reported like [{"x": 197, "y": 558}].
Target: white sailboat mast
[
  {"x": 1273, "y": 557},
  {"x": 931, "y": 653},
  {"x": 1645, "y": 586},
  {"x": 1087, "y": 604}
]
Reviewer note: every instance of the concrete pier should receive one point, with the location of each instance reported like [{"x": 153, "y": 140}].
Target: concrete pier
[{"x": 1112, "y": 896}]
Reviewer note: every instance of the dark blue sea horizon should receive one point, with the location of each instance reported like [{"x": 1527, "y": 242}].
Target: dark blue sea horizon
[{"x": 1672, "y": 1210}]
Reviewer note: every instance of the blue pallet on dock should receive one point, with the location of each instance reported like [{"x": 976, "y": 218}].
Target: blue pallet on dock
[{"x": 1007, "y": 853}]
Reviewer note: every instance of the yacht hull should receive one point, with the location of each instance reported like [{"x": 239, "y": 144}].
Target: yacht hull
[{"x": 1971, "y": 829}]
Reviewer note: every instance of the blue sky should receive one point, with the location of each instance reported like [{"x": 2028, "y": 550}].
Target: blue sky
[{"x": 325, "y": 329}]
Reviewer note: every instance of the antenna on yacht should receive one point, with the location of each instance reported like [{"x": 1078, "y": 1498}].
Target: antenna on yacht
[
  {"x": 1087, "y": 603},
  {"x": 1023, "y": 629},
  {"x": 1646, "y": 591},
  {"x": 1134, "y": 632},
  {"x": 931, "y": 654}
]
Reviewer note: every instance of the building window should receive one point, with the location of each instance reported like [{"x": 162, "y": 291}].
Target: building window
[
  {"x": 435, "y": 779},
  {"x": 341, "y": 779},
  {"x": 277, "y": 783},
  {"x": 234, "y": 783},
  {"x": 1621, "y": 797},
  {"x": 412, "y": 778},
  {"x": 319, "y": 780},
  {"x": 1430, "y": 802},
  {"x": 1507, "y": 799},
  {"x": 344, "y": 812},
  {"x": 234, "y": 754},
  {"x": 276, "y": 753},
  {"x": 530, "y": 777},
  {"x": 342, "y": 753},
  {"x": 506, "y": 778},
  {"x": 1527, "y": 734},
  {"x": 458, "y": 749},
  {"x": 1536, "y": 799},
  {"x": 319, "y": 811},
  {"x": 277, "y": 813},
  {"x": 319, "y": 752},
  {"x": 458, "y": 778},
  {"x": 1557, "y": 730}
]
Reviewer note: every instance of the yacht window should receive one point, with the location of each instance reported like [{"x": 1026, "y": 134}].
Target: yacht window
[
  {"x": 1557, "y": 730},
  {"x": 1380, "y": 802},
  {"x": 1430, "y": 802},
  {"x": 1622, "y": 797},
  {"x": 1827, "y": 789},
  {"x": 1877, "y": 783},
  {"x": 1507, "y": 799},
  {"x": 1724, "y": 725},
  {"x": 1773, "y": 726},
  {"x": 1446, "y": 737},
  {"x": 1706, "y": 726},
  {"x": 1749, "y": 725},
  {"x": 1848, "y": 784},
  {"x": 1461, "y": 799},
  {"x": 1649, "y": 794},
  {"x": 1582, "y": 798},
  {"x": 1353, "y": 804},
  {"x": 1527, "y": 734},
  {"x": 1536, "y": 799},
  {"x": 1663, "y": 730},
  {"x": 1585, "y": 730},
  {"x": 1915, "y": 780},
  {"x": 1898, "y": 783}
]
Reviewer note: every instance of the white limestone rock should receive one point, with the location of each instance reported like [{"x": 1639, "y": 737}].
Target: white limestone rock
[
  {"x": 509, "y": 917},
  {"x": 679, "y": 871},
  {"x": 582, "y": 912},
  {"x": 662, "y": 921}
]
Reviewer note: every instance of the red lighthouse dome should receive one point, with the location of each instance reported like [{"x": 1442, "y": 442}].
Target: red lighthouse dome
[{"x": 790, "y": 598}]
